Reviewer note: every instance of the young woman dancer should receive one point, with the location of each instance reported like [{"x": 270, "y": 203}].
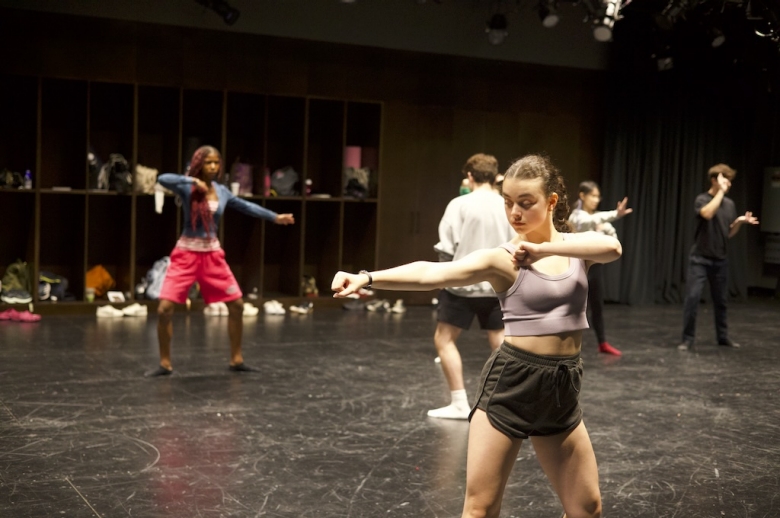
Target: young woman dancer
[
  {"x": 584, "y": 218},
  {"x": 198, "y": 256},
  {"x": 530, "y": 385}
]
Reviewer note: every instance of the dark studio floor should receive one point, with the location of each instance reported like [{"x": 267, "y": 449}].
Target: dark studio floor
[{"x": 335, "y": 425}]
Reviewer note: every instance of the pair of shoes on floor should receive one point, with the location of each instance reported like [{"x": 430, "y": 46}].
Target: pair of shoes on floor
[
  {"x": 19, "y": 316},
  {"x": 606, "y": 348},
  {"x": 250, "y": 310},
  {"x": 302, "y": 309},
  {"x": 15, "y": 297},
  {"x": 133, "y": 310},
  {"x": 274, "y": 307},
  {"x": 450, "y": 412},
  {"x": 216, "y": 309},
  {"x": 383, "y": 306}
]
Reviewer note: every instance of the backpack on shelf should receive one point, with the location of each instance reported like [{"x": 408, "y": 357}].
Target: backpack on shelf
[
  {"x": 115, "y": 175},
  {"x": 17, "y": 277},
  {"x": 283, "y": 181}
]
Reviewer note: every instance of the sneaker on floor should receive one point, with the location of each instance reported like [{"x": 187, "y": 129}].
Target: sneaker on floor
[
  {"x": 26, "y": 316},
  {"x": 375, "y": 305},
  {"x": 398, "y": 307},
  {"x": 364, "y": 293},
  {"x": 686, "y": 346},
  {"x": 109, "y": 312},
  {"x": 302, "y": 309},
  {"x": 354, "y": 305},
  {"x": 216, "y": 309},
  {"x": 274, "y": 307},
  {"x": 135, "y": 310},
  {"x": 8, "y": 314},
  {"x": 605, "y": 348},
  {"x": 250, "y": 310},
  {"x": 450, "y": 412}
]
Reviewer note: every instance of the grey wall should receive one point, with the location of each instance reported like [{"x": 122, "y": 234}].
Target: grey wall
[{"x": 455, "y": 27}]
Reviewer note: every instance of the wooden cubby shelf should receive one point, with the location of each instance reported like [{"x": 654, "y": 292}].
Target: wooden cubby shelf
[{"x": 65, "y": 225}]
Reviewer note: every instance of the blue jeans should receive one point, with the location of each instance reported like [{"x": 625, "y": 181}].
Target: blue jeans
[{"x": 701, "y": 269}]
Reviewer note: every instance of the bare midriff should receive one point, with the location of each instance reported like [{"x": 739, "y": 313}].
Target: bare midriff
[{"x": 560, "y": 344}]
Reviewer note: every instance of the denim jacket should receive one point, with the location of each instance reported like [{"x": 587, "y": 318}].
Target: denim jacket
[{"x": 182, "y": 186}]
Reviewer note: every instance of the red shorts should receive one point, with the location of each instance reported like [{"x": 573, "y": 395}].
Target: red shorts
[{"x": 209, "y": 269}]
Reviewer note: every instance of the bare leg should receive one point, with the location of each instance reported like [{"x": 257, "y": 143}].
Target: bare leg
[
  {"x": 445, "y": 337},
  {"x": 570, "y": 464},
  {"x": 490, "y": 459},
  {"x": 235, "y": 330},
  {"x": 164, "y": 337}
]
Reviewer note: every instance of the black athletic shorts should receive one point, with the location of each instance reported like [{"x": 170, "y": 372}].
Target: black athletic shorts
[
  {"x": 525, "y": 394},
  {"x": 460, "y": 311}
]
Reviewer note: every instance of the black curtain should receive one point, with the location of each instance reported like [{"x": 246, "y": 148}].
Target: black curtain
[{"x": 664, "y": 129}]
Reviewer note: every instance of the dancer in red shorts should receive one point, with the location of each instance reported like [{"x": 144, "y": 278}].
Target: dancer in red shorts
[{"x": 198, "y": 256}]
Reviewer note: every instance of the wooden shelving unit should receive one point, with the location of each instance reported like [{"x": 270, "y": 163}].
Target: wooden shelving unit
[{"x": 65, "y": 226}]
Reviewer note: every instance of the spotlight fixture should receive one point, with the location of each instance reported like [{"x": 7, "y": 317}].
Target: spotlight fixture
[
  {"x": 606, "y": 21},
  {"x": 548, "y": 13},
  {"x": 228, "y": 13},
  {"x": 497, "y": 29}
]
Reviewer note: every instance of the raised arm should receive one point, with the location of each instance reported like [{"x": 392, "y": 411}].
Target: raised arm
[
  {"x": 481, "y": 265},
  {"x": 256, "y": 211},
  {"x": 593, "y": 247},
  {"x": 708, "y": 211},
  {"x": 748, "y": 219},
  {"x": 178, "y": 183}
]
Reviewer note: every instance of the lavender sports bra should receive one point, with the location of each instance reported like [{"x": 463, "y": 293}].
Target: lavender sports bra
[{"x": 539, "y": 304}]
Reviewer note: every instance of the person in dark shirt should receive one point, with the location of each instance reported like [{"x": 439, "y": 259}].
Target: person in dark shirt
[{"x": 716, "y": 222}]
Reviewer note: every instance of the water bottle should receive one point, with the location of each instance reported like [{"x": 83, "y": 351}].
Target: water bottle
[{"x": 27, "y": 180}]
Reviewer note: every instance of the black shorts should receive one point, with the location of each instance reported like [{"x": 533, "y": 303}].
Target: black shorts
[
  {"x": 460, "y": 311},
  {"x": 525, "y": 394}
]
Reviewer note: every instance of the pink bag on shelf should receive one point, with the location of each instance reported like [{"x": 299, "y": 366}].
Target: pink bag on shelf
[{"x": 242, "y": 174}]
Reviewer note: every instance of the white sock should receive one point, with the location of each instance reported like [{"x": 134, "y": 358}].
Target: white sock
[{"x": 459, "y": 398}]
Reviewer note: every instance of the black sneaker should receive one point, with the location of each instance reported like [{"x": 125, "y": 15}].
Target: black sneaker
[
  {"x": 729, "y": 343},
  {"x": 15, "y": 297},
  {"x": 686, "y": 346}
]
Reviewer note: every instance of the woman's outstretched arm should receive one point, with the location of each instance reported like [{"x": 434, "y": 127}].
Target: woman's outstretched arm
[{"x": 482, "y": 265}]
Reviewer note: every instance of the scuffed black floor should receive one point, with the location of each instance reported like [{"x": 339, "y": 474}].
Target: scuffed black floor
[{"x": 335, "y": 424}]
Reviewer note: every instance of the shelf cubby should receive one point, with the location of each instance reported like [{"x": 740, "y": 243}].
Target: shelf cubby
[
  {"x": 282, "y": 251},
  {"x": 64, "y": 134},
  {"x": 159, "y": 118},
  {"x": 325, "y": 144},
  {"x": 359, "y": 242},
  {"x": 63, "y": 240},
  {"x": 321, "y": 246}
]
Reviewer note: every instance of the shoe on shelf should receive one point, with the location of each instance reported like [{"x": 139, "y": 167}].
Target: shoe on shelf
[
  {"x": 398, "y": 307},
  {"x": 109, "y": 312},
  {"x": 274, "y": 307},
  {"x": 15, "y": 297},
  {"x": 135, "y": 310},
  {"x": 686, "y": 346},
  {"x": 729, "y": 343},
  {"x": 302, "y": 309},
  {"x": 250, "y": 310},
  {"x": 450, "y": 412},
  {"x": 606, "y": 348}
]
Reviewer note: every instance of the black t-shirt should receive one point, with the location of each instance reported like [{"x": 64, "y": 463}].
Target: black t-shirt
[{"x": 713, "y": 234}]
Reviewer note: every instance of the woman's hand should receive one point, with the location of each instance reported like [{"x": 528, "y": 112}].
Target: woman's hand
[
  {"x": 621, "y": 208},
  {"x": 526, "y": 254},
  {"x": 284, "y": 219},
  {"x": 345, "y": 284},
  {"x": 200, "y": 185}
]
